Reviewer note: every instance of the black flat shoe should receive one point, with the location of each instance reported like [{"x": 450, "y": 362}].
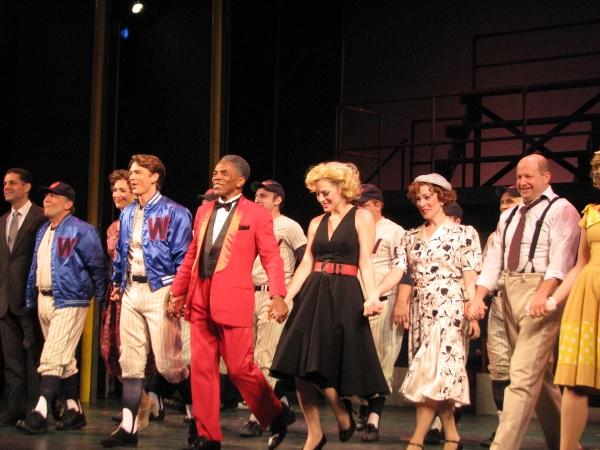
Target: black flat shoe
[
  {"x": 345, "y": 435},
  {"x": 321, "y": 443}
]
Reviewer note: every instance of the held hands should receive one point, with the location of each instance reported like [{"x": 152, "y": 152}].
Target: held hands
[
  {"x": 278, "y": 309},
  {"x": 116, "y": 294},
  {"x": 474, "y": 330},
  {"x": 175, "y": 307},
  {"x": 475, "y": 309},
  {"x": 540, "y": 306},
  {"x": 373, "y": 306}
]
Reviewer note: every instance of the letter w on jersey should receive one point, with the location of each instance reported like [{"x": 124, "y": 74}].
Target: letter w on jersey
[
  {"x": 65, "y": 246},
  {"x": 158, "y": 226}
]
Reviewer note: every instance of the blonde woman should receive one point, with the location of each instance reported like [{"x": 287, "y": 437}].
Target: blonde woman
[
  {"x": 578, "y": 366},
  {"x": 327, "y": 343}
]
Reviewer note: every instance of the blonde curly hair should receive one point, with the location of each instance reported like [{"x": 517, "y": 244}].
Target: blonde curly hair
[
  {"x": 595, "y": 162},
  {"x": 344, "y": 176}
]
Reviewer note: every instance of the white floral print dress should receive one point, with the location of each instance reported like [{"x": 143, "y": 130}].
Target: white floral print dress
[{"x": 436, "y": 343}]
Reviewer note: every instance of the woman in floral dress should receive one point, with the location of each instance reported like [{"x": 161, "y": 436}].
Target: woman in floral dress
[{"x": 439, "y": 253}]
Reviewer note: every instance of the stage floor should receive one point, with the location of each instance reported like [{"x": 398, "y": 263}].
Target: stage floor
[{"x": 396, "y": 428}]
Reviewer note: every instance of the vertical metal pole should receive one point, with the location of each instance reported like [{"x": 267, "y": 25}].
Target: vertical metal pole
[
  {"x": 432, "y": 163},
  {"x": 216, "y": 85},
  {"x": 524, "y": 114},
  {"x": 379, "y": 151},
  {"x": 89, "y": 338}
]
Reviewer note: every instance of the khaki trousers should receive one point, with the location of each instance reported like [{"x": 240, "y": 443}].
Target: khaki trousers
[{"x": 533, "y": 344}]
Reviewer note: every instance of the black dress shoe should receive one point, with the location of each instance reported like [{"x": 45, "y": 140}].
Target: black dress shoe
[
  {"x": 71, "y": 420},
  {"x": 10, "y": 420},
  {"x": 278, "y": 429},
  {"x": 158, "y": 413},
  {"x": 121, "y": 438},
  {"x": 251, "y": 429},
  {"x": 291, "y": 417},
  {"x": 34, "y": 423},
  {"x": 204, "y": 444},
  {"x": 363, "y": 415},
  {"x": 174, "y": 403},
  {"x": 345, "y": 435},
  {"x": 192, "y": 432},
  {"x": 371, "y": 433},
  {"x": 434, "y": 437},
  {"x": 228, "y": 405},
  {"x": 459, "y": 445}
]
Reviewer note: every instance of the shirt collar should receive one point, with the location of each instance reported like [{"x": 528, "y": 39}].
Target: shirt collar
[{"x": 23, "y": 210}]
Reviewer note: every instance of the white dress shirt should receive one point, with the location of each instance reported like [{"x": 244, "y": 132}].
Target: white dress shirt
[
  {"x": 556, "y": 248},
  {"x": 221, "y": 217}
]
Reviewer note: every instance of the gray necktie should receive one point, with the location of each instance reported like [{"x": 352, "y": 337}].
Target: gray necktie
[{"x": 13, "y": 230}]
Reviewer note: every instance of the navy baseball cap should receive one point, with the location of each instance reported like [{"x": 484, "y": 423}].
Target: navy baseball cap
[
  {"x": 368, "y": 192},
  {"x": 454, "y": 209},
  {"x": 512, "y": 190},
  {"x": 208, "y": 195},
  {"x": 59, "y": 188},
  {"x": 269, "y": 185}
]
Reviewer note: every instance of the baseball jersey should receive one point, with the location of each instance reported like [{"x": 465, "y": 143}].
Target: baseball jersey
[
  {"x": 290, "y": 236},
  {"x": 387, "y": 238}
]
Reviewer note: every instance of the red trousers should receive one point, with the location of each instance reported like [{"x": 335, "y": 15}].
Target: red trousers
[{"x": 209, "y": 341}]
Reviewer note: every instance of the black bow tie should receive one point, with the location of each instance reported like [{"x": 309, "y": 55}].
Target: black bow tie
[{"x": 227, "y": 205}]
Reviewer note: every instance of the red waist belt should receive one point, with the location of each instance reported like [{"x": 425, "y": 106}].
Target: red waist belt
[{"x": 330, "y": 268}]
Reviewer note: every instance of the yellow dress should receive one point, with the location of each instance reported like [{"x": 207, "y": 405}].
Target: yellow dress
[{"x": 579, "y": 343}]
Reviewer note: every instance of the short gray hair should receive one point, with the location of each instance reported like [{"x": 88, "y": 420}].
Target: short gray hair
[{"x": 240, "y": 164}]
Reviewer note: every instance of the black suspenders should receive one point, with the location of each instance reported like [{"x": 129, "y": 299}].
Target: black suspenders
[{"x": 536, "y": 233}]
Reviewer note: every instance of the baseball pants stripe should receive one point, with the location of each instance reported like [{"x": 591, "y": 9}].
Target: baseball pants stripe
[{"x": 62, "y": 328}]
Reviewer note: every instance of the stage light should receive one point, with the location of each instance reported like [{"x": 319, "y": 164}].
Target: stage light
[
  {"x": 137, "y": 7},
  {"x": 124, "y": 32}
]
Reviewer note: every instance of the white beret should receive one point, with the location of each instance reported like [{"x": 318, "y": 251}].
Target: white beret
[{"x": 435, "y": 178}]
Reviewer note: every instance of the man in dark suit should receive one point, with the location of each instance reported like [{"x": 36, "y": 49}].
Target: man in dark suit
[
  {"x": 215, "y": 279},
  {"x": 19, "y": 327}
]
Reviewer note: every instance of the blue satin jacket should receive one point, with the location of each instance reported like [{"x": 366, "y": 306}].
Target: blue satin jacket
[
  {"x": 166, "y": 235},
  {"x": 78, "y": 264}
]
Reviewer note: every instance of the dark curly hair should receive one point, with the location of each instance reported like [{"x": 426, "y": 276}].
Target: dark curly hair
[{"x": 444, "y": 196}]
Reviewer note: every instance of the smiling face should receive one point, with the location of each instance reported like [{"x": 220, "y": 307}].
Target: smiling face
[
  {"x": 15, "y": 191},
  {"x": 328, "y": 195},
  {"x": 143, "y": 182},
  {"x": 227, "y": 181},
  {"x": 56, "y": 206},
  {"x": 428, "y": 203},
  {"x": 532, "y": 178},
  {"x": 267, "y": 199},
  {"x": 121, "y": 194}
]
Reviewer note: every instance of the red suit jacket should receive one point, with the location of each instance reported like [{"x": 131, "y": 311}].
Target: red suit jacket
[{"x": 231, "y": 299}]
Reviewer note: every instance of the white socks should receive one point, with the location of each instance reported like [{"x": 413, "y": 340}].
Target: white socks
[
  {"x": 128, "y": 424},
  {"x": 42, "y": 406},
  {"x": 437, "y": 424},
  {"x": 72, "y": 404},
  {"x": 188, "y": 410},
  {"x": 373, "y": 419}
]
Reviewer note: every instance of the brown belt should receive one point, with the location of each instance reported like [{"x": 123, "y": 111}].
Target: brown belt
[
  {"x": 330, "y": 268},
  {"x": 46, "y": 292}
]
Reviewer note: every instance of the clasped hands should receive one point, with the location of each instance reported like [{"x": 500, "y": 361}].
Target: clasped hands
[
  {"x": 373, "y": 306},
  {"x": 277, "y": 309},
  {"x": 175, "y": 306}
]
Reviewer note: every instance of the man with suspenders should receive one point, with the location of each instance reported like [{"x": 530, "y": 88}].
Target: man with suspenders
[{"x": 533, "y": 249}]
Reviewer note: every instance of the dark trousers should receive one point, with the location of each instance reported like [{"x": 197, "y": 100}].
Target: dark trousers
[{"x": 20, "y": 335}]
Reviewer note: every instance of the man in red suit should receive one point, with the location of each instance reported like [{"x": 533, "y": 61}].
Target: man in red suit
[{"x": 215, "y": 280}]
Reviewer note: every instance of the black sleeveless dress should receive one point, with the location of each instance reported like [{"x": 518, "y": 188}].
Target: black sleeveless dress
[{"x": 326, "y": 339}]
